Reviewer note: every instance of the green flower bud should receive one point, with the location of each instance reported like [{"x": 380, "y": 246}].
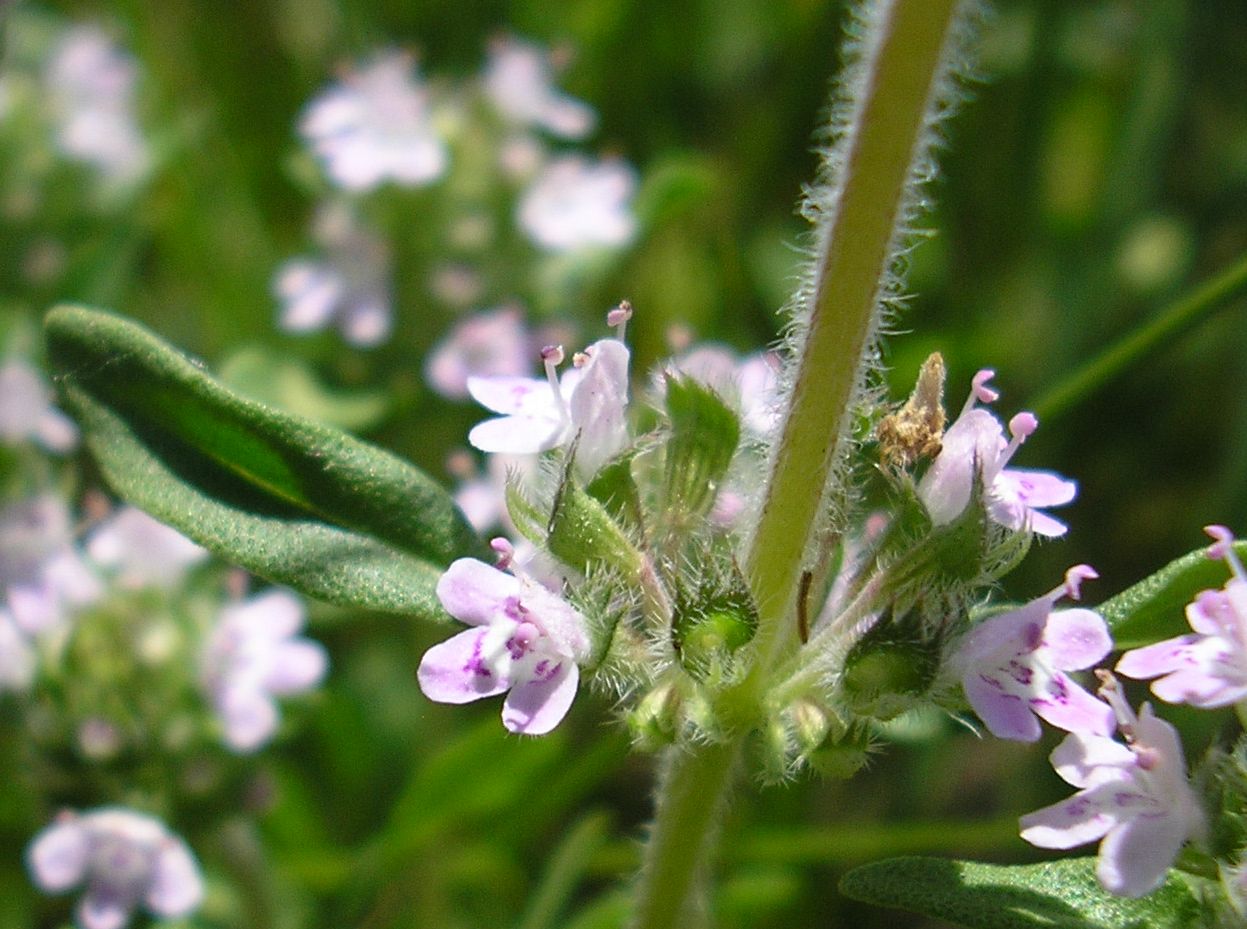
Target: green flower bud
[
  {"x": 890, "y": 669},
  {"x": 655, "y": 721},
  {"x": 712, "y": 624}
]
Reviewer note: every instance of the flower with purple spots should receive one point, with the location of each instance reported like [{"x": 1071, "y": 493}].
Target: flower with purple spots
[
  {"x": 526, "y": 641},
  {"x": 123, "y": 858},
  {"x": 1135, "y": 796},
  {"x": 1207, "y": 667},
  {"x": 975, "y": 445},
  {"x": 1013, "y": 666}
]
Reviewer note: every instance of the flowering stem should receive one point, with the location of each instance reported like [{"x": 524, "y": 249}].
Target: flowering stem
[
  {"x": 692, "y": 791},
  {"x": 887, "y": 131}
]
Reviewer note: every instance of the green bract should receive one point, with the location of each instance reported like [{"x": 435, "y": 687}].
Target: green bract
[{"x": 289, "y": 499}]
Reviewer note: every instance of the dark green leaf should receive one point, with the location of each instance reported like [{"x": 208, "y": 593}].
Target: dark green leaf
[
  {"x": 296, "y": 502},
  {"x": 1052, "y": 895},
  {"x": 1154, "y": 609}
]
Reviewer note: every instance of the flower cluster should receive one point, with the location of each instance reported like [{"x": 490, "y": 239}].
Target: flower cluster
[{"x": 479, "y": 150}]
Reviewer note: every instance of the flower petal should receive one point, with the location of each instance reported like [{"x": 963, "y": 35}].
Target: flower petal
[
  {"x": 58, "y": 855},
  {"x": 516, "y": 435},
  {"x": 1006, "y": 715},
  {"x": 476, "y": 593},
  {"x": 453, "y": 671},
  {"x": 176, "y": 887},
  {"x": 972, "y": 442},
  {"x": 1136, "y": 855},
  {"x": 101, "y": 907},
  {"x": 1159, "y": 658},
  {"x": 514, "y": 396},
  {"x": 297, "y": 666},
  {"x": 1074, "y": 821},
  {"x": 1076, "y": 639},
  {"x": 1067, "y": 706},
  {"x": 1086, "y": 760},
  {"x": 537, "y": 706}
]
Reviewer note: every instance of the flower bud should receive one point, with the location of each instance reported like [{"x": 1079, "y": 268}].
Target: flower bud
[
  {"x": 655, "y": 721},
  {"x": 891, "y": 668}
]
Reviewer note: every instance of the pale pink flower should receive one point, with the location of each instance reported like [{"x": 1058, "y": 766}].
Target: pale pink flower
[
  {"x": 587, "y": 404},
  {"x": 125, "y": 859},
  {"x": 490, "y": 344},
  {"x": 1135, "y": 796},
  {"x": 141, "y": 551},
  {"x": 375, "y": 126},
  {"x": 974, "y": 447},
  {"x": 348, "y": 285},
  {"x": 26, "y": 410},
  {"x": 526, "y": 641},
  {"x": 1013, "y": 666},
  {"x": 91, "y": 88},
  {"x": 254, "y": 655},
  {"x": 576, "y": 204},
  {"x": 43, "y": 578},
  {"x": 519, "y": 81},
  {"x": 1208, "y": 667}
]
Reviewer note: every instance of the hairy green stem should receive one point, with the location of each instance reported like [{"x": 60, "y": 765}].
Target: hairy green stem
[
  {"x": 887, "y": 130},
  {"x": 1139, "y": 345}
]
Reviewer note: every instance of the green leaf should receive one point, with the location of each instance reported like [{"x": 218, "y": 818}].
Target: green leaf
[
  {"x": 1049, "y": 895},
  {"x": 583, "y": 534},
  {"x": 704, "y": 435},
  {"x": 291, "y": 500},
  {"x": 1155, "y": 608}
]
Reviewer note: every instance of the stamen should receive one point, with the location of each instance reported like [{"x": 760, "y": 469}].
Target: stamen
[
  {"x": 580, "y": 359},
  {"x": 1110, "y": 690},
  {"x": 504, "y": 550},
  {"x": 552, "y": 357},
  {"x": 618, "y": 318},
  {"x": 979, "y": 391},
  {"x": 1223, "y": 549}
]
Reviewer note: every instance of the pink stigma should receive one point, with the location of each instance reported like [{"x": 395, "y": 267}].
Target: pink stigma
[
  {"x": 1023, "y": 426},
  {"x": 979, "y": 388},
  {"x": 504, "y": 550},
  {"x": 1223, "y": 549}
]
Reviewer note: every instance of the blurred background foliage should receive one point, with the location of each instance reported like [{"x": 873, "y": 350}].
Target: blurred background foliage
[{"x": 1096, "y": 173}]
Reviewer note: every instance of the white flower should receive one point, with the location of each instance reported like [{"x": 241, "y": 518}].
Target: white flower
[
  {"x": 26, "y": 410},
  {"x": 489, "y": 344},
  {"x": 588, "y": 404},
  {"x": 519, "y": 82},
  {"x": 123, "y": 858},
  {"x": 1134, "y": 796},
  {"x": 91, "y": 84},
  {"x": 254, "y": 655},
  {"x": 575, "y": 204},
  {"x": 348, "y": 286},
  {"x": 42, "y": 575},
  {"x": 374, "y": 126},
  {"x": 141, "y": 551}
]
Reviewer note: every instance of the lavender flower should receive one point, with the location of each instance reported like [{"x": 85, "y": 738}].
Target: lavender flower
[
  {"x": 1133, "y": 796},
  {"x": 527, "y": 641},
  {"x": 519, "y": 82},
  {"x": 17, "y": 656},
  {"x": 141, "y": 551},
  {"x": 42, "y": 575},
  {"x": 975, "y": 445},
  {"x": 489, "y": 344},
  {"x": 91, "y": 84},
  {"x": 576, "y": 204},
  {"x": 348, "y": 286},
  {"x": 1013, "y": 666},
  {"x": 124, "y": 858},
  {"x": 589, "y": 403},
  {"x": 1208, "y": 667},
  {"x": 375, "y": 126},
  {"x": 254, "y": 655},
  {"x": 26, "y": 410}
]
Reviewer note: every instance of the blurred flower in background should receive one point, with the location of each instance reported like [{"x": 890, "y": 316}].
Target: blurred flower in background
[
  {"x": 519, "y": 81},
  {"x": 576, "y": 203}
]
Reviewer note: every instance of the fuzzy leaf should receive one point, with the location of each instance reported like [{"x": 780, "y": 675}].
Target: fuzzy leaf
[
  {"x": 1155, "y": 608},
  {"x": 583, "y": 534},
  {"x": 704, "y": 436},
  {"x": 293, "y": 501},
  {"x": 1051, "y": 895}
]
